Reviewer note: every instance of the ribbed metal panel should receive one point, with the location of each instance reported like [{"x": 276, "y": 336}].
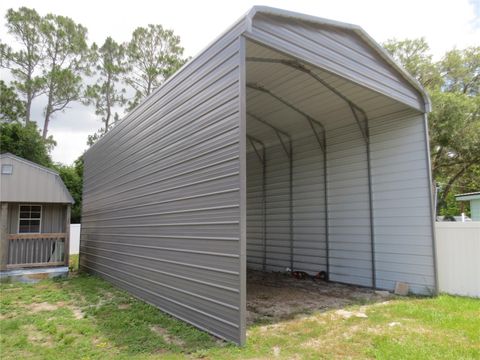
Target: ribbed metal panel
[
  {"x": 308, "y": 209},
  {"x": 161, "y": 210},
  {"x": 339, "y": 51},
  {"x": 403, "y": 238},
  {"x": 175, "y": 202},
  {"x": 348, "y": 210},
  {"x": 30, "y": 182}
]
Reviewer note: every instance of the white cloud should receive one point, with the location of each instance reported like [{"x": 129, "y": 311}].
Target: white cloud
[{"x": 444, "y": 23}]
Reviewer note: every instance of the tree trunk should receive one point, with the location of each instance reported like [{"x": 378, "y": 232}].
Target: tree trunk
[
  {"x": 27, "y": 109},
  {"x": 107, "y": 120},
  {"x": 48, "y": 113},
  {"x": 449, "y": 185},
  {"x": 45, "y": 125},
  {"x": 109, "y": 111},
  {"x": 149, "y": 87},
  {"x": 29, "y": 90}
]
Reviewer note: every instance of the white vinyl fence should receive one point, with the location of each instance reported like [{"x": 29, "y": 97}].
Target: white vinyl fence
[
  {"x": 458, "y": 257},
  {"x": 74, "y": 238}
]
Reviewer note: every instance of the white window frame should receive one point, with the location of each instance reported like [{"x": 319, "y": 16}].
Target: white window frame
[{"x": 19, "y": 218}]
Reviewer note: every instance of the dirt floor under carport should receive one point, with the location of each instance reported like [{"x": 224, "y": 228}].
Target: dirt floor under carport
[{"x": 275, "y": 296}]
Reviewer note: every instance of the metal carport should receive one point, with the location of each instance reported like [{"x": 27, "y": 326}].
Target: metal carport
[{"x": 290, "y": 142}]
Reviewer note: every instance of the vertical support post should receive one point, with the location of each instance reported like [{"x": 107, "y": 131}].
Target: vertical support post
[
  {"x": 433, "y": 205},
  {"x": 370, "y": 203},
  {"x": 242, "y": 124},
  {"x": 262, "y": 157},
  {"x": 264, "y": 208},
  {"x": 290, "y": 205},
  {"x": 288, "y": 149},
  {"x": 365, "y": 131},
  {"x": 325, "y": 194},
  {"x": 66, "y": 247},
  {"x": 3, "y": 236}
]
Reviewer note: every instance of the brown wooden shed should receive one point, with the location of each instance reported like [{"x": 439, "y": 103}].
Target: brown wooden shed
[{"x": 35, "y": 215}]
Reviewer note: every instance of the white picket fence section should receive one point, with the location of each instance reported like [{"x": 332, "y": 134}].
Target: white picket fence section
[
  {"x": 458, "y": 257},
  {"x": 74, "y": 238}
]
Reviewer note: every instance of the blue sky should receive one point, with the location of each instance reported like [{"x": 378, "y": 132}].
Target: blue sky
[{"x": 444, "y": 23}]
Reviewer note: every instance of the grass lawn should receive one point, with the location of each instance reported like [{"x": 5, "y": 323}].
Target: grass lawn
[{"x": 84, "y": 317}]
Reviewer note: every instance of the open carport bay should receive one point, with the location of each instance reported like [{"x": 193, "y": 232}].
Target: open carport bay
[
  {"x": 273, "y": 297},
  {"x": 290, "y": 143},
  {"x": 333, "y": 173}
]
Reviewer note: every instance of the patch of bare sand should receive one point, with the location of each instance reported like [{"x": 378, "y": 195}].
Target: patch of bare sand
[
  {"x": 169, "y": 338},
  {"x": 348, "y": 314},
  {"x": 8, "y": 315},
  {"x": 37, "y": 337},
  {"x": 277, "y": 296},
  {"x": 45, "y": 306},
  {"x": 77, "y": 312}
]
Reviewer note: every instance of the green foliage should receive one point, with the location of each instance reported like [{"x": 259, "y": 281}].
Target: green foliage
[
  {"x": 105, "y": 94},
  {"x": 92, "y": 139},
  {"x": 51, "y": 59},
  {"x": 25, "y": 141},
  {"x": 66, "y": 55},
  {"x": 454, "y": 123},
  {"x": 72, "y": 177},
  {"x": 455, "y": 137},
  {"x": 24, "y": 24},
  {"x": 11, "y": 107},
  {"x": 461, "y": 71},
  {"x": 414, "y": 57},
  {"x": 153, "y": 54}
]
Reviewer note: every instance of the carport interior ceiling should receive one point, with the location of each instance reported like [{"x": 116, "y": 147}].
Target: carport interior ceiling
[{"x": 318, "y": 94}]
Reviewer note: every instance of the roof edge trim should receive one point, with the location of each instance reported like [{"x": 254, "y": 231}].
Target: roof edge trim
[
  {"x": 28, "y": 162},
  {"x": 245, "y": 17},
  {"x": 351, "y": 27}
]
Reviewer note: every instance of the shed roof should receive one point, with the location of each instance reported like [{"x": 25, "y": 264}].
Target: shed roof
[
  {"x": 468, "y": 196},
  {"x": 30, "y": 182}
]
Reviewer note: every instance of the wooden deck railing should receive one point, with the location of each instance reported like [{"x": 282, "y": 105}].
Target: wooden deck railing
[{"x": 34, "y": 250}]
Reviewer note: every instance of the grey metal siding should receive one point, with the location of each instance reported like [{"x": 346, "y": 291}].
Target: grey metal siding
[
  {"x": 336, "y": 50},
  {"x": 255, "y": 215},
  {"x": 348, "y": 207},
  {"x": 308, "y": 209},
  {"x": 53, "y": 218},
  {"x": 403, "y": 232},
  {"x": 403, "y": 238},
  {"x": 161, "y": 209}
]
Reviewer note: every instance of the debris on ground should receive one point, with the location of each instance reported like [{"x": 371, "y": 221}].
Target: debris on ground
[
  {"x": 273, "y": 296},
  {"x": 348, "y": 314}
]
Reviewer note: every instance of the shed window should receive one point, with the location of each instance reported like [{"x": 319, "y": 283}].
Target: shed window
[
  {"x": 30, "y": 219},
  {"x": 7, "y": 169}
]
